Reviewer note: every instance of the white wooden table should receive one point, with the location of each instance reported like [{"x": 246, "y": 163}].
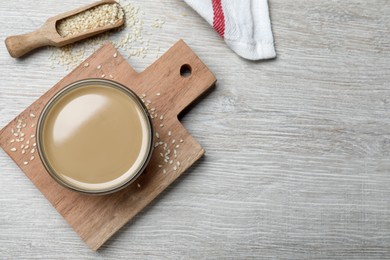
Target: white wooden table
[{"x": 297, "y": 161}]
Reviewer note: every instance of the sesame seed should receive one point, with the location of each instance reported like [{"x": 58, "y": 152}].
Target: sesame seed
[
  {"x": 115, "y": 55},
  {"x": 173, "y": 141},
  {"x": 32, "y": 115},
  {"x": 24, "y": 125},
  {"x": 111, "y": 77},
  {"x": 161, "y": 155},
  {"x": 157, "y": 135},
  {"x": 161, "y": 125},
  {"x": 23, "y": 151},
  {"x": 103, "y": 76},
  {"x": 21, "y": 134},
  {"x": 171, "y": 161},
  {"x": 22, "y": 139},
  {"x": 99, "y": 16},
  {"x": 174, "y": 168},
  {"x": 178, "y": 163},
  {"x": 25, "y": 163},
  {"x": 12, "y": 140},
  {"x": 32, "y": 125},
  {"x": 32, "y": 150},
  {"x": 164, "y": 171},
  {"x": 148, "y": 101},
  {"x": 138, "y": 185},
  {"x": 144, "y": 95},
  {"x": 12, "y": 131},
  {"x": 13, "y": 149},
  {"x": 16, "y": 134},
  {"x": 86, "y": 64},
  {"x": 158, "y": 94},
  {"x": 161, "y": 117},
  {"x": 32, "y": 136},
  {"x": 26, "y": 147},
  {"x": 32, "y": 158},
  {"x": 169, "y": 133},
  {"x": 22, "y": 146},
  {"x": 181, "y": 140},
  {"x": 17, "y": 140},
  {"x": 28, "y": 142},
  {"x": 178, "y": 145},
  {"x": 34, "y": 144},
  {"x": 159, "y": 166},
  {"x": 99, "y": 67}
]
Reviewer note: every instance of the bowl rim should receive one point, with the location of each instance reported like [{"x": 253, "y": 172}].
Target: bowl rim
[{"x": 72, "y": 86}]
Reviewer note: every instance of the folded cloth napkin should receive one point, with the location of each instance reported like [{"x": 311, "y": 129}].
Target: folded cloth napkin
[{"x": 243, "y": 24}]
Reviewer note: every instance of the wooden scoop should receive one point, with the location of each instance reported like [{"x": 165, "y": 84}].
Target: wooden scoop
[{"x": 18, "y": 45}]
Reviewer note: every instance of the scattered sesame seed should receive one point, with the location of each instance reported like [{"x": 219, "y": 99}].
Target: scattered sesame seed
[
  {"x": 161, "y": 155},
  {"x": 171, "y": 161},
  {"x": 161, "y": 125},
  {"x": 157, "y": 135},
  {"x": 181, "y": 140},
  {"x": 99, "y": 67},
  {"x": 26, "y": 147},
  {"x": 32, "y": 115},
  {"x": 32, "y": 158},
  {"x": 148, "y": 101},
  {"x": 174, "y": 168},
  {"x": 32, "y": 150},
  {"x": 161, "y": 117},
  {"x": 173, "y": 141},
  {"x": 177, "y": 146},
  {"x": 24, "y": 125},
  {"x": 103, "y": 76},
  {"x": 164, "y": 171},
  {"x": 178, "y": 163},
  {"x": 13, "y": 149},
  {"x": 34, "y": 144},
  {"x": 12, "y": 140},
  {"x": 17, "y": 140},
  {"x": 28, "y": 142},
  {"x": 22, "y": 139},
  {"x": 143, "y": 95},
  {"x": 111, "y": 77},
  {"x": 158, "y": 94},
  {"x": 25, "y": 163},
  {"x": 12, "y": 131},
  {"x": 23, "y": 151},
  {"x": 21, "y": 134},
  {"x": 32, "y": 125},
  {"x": 115, "y": 55},
  {"x": 139, "y": 185},
  {"x": 16, "y": 134},
  {"x": 86, "y": 64},
  {"x": 22, "y": 146},
  {"x": 32, "y": 136},
  {"x": 169, "y": 133},
  {"x": 156, "y": 144}
]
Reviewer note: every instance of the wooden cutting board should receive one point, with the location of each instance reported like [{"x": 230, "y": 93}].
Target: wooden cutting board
[{"x": 166, "y": 92}]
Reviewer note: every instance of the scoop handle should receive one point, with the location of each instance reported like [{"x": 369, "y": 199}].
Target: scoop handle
[{"x": 18, "y": 45}]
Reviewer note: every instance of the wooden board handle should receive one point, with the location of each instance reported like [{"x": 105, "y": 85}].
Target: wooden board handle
[
  {"x": 179, "y": 75},
  {"x": 18, "y": 45}
]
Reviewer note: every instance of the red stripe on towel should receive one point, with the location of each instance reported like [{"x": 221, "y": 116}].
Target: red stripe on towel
[{"x": 219, "y": 18}]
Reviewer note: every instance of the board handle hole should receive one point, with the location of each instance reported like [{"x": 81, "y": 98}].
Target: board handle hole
[{"x": 185, "y": 71}]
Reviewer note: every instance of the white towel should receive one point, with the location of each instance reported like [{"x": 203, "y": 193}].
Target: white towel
[{"x": 243, "y": 24}]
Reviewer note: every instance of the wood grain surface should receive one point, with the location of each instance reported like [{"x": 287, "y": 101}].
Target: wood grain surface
[{"x": 298, "y": 148}]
